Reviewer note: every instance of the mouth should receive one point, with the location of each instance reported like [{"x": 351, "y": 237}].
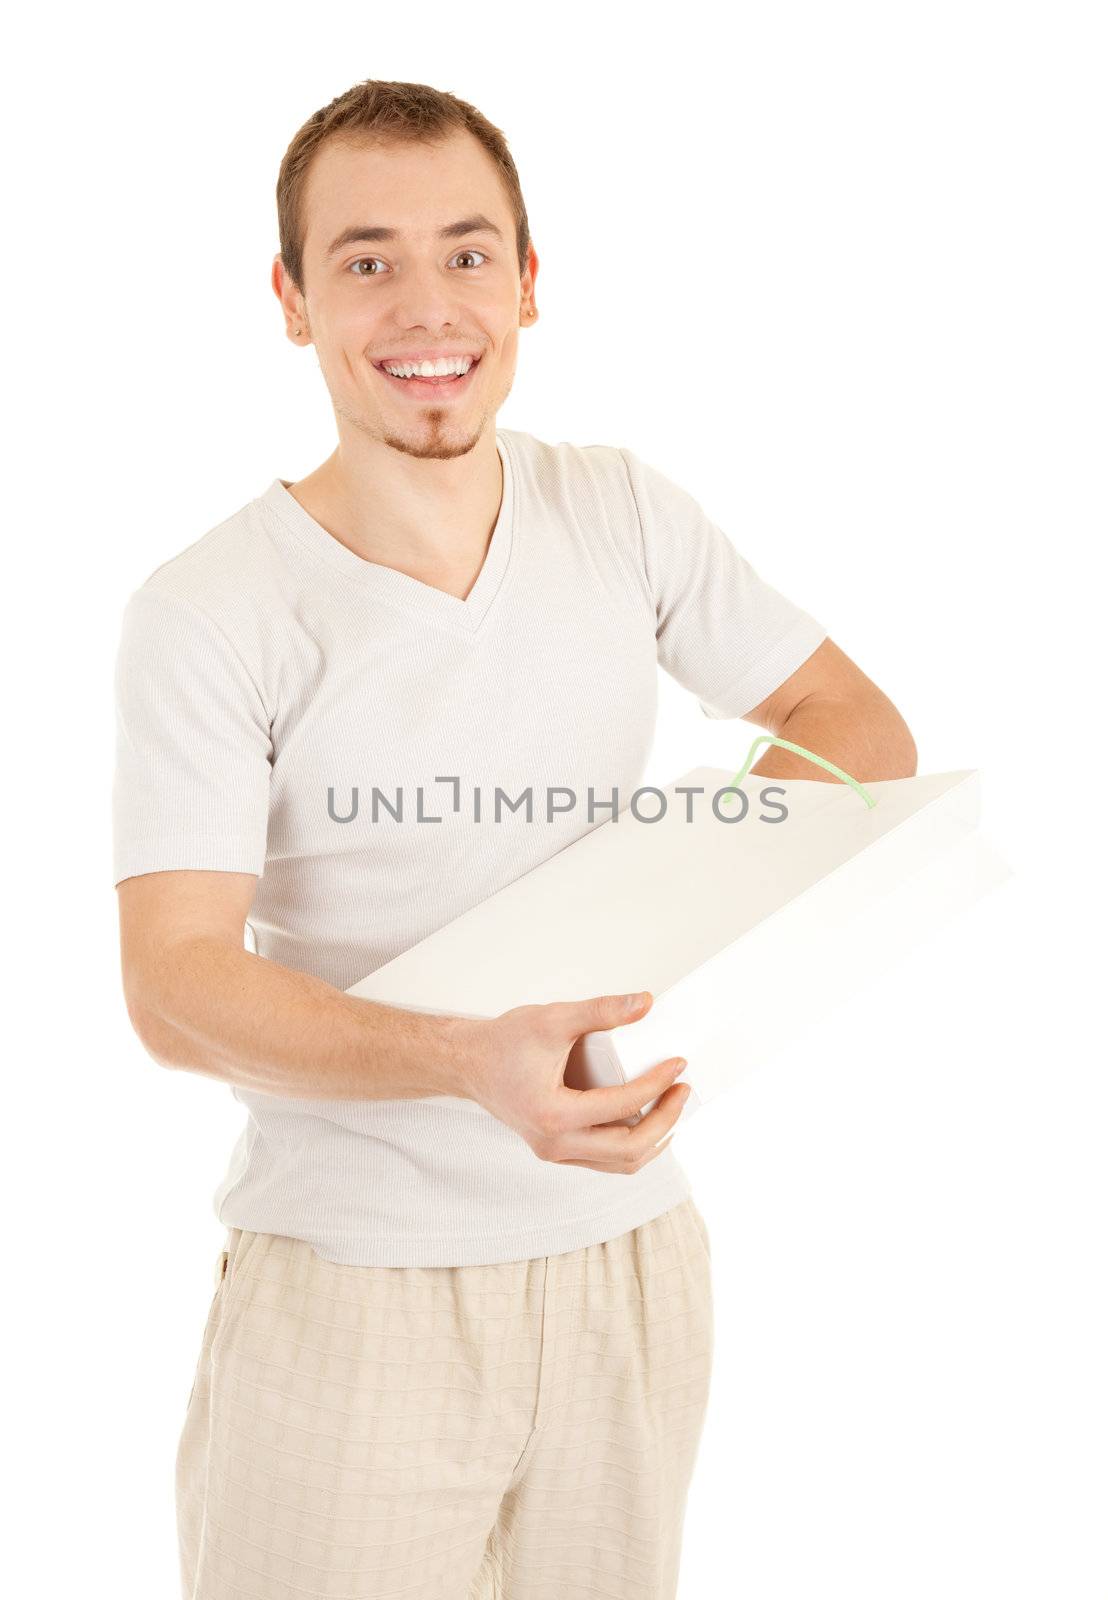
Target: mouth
[{"x": 451, "y": 384}]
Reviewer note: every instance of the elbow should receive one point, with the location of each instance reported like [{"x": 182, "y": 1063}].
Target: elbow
[
  {"x": 158, "y": 1039},
  {"x": 893, "y": 750},
  {"x": 150, "y": 1038},
  {"x": 879, "y": 740}
]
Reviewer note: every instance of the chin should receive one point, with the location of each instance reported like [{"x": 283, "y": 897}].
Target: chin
[{"x": 434, "y": 443}]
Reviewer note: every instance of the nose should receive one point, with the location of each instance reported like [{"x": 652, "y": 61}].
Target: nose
[{"x": 425, "y": 302}]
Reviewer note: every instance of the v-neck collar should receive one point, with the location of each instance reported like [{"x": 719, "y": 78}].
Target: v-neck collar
[{"x": 400, "y": 588}]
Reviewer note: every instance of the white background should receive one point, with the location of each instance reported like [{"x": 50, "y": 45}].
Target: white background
[{"x": 840, "y": 272}]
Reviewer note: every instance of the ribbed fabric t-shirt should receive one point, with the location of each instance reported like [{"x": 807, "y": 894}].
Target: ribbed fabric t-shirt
[{"x": 286, "y": 708}]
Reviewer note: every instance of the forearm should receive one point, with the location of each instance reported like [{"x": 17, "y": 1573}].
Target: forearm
[
  {"x": 865, "y": 736},
  {"x": 212, "y": 1008}
]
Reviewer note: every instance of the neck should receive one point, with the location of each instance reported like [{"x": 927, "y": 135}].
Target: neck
[{"x": 431, "y": 518}]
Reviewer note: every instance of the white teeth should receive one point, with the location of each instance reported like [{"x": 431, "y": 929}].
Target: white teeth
[{"x": 430, "y": 369}]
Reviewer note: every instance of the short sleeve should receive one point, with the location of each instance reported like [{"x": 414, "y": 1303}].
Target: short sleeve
[
  {"x": 723, "y": 632},
  {"x": 193, "y": 749}
]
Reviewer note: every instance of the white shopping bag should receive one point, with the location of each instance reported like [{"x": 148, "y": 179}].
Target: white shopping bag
[{"x": 747, "y": 908}]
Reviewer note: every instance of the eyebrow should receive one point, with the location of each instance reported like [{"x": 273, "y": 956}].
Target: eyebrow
[{"x": 361, "y": 233}]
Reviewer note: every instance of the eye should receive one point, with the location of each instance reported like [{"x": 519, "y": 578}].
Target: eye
[{"x": 363, "y": 261}]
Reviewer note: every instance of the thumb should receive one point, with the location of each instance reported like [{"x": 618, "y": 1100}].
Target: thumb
[{"x": 606, "y": 1011}]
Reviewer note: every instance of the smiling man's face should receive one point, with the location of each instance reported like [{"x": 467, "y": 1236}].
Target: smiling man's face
[{"x": 385, "y": 287}]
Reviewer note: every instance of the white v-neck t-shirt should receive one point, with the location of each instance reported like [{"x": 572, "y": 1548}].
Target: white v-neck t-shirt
[{"x": 266, "y": 672}]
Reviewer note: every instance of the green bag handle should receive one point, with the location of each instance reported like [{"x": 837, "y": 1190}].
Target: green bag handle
[{"x": 787, "y": 744}]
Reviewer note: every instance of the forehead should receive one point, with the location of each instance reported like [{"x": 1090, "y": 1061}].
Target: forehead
[{"x": 413, "y": 187}]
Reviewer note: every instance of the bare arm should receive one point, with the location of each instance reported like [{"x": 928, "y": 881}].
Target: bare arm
[
  {"x": 198, "y": 1000},
  {"x": 829, "y": 706}
]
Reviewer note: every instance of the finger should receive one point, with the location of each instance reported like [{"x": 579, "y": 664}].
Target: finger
[
  {"x": 591, "y": 1108},
  {"x": 622, "y": 1146},
  {"x": 622, "y": 1166},
  {"x": 599, "y": 1012}
]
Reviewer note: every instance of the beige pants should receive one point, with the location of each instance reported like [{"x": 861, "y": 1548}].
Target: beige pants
[{"x": 520, "y": 1431}]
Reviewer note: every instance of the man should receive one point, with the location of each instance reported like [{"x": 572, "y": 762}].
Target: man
[{"x": 461, "y": 1336}]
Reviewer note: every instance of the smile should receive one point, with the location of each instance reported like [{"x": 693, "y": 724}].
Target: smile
[{"x": 418, "y": 385}]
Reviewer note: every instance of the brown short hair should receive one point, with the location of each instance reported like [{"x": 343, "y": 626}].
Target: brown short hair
[{"x": 380, "y": 111}]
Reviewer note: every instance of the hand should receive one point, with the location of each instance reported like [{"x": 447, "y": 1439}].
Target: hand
[{"x": 517, "y": 1075}]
